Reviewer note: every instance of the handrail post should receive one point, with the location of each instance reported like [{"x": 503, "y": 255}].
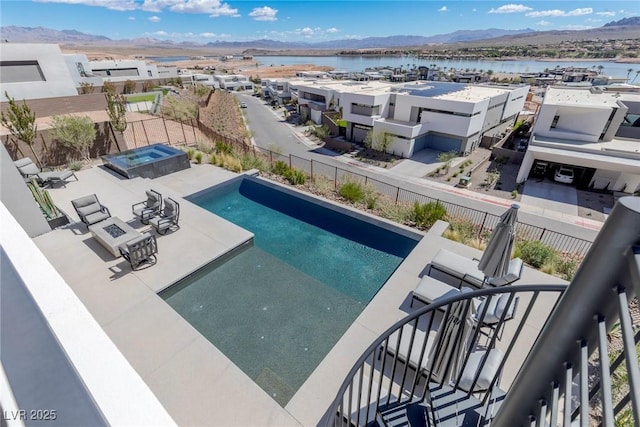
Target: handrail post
[{"x": 590, "y": 293}]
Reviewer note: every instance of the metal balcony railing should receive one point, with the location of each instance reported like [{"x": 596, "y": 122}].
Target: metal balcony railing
[
  {"x": 582, "y": 369},
  {"x": 445, "y": 362}
]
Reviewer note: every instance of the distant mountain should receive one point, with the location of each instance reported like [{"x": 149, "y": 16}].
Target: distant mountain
[
  {"x": 624, "y": 21},
  {"x": 15, "y": 34},
  {"x": 40, "y": 34}
]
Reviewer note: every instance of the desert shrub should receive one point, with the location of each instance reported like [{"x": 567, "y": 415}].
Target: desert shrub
[
  {"x": 460, "y": 231},
  {"x": 387, "y": 208},
  {"x": 323, "y": 185},
  {"x": 190, "y": 153},
  {"x": 351, "y": 191},
  {"x": 223, "y": 147},
  {"x": 370, "y": 197},
  {"x": 567, "y": 266},
  {"x": 425, "y": 215},
  {"x": 226, "y": 161},
  {"x": 548, "y": 268},
  {"x": 536, "y": 253},
  {"x": 198, "y": 157},
  {"x": 280, "y": 168},
  {"x": 251, "y": 162},
  {"x": 205, "y": 147},
  {"x": 75, "y": 166}
]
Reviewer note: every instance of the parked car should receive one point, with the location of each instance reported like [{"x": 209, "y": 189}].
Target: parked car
[
  {"x": 243, "y": 105},
  {"x": 564, "y": 174}
]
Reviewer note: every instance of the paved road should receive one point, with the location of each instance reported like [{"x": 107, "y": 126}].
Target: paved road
[{"x": 270, "y": 131}]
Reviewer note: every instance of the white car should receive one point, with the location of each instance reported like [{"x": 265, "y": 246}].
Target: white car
[
  {"x": 564, "y": 175},
  {"x": 243, "y": 105}
]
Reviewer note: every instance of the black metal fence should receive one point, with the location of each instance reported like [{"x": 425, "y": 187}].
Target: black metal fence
[{"x": 481, "y": 221}]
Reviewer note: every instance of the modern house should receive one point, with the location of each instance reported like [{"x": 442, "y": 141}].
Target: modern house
[
  {"x": 33, "y": 71},
  {"x": 233, "y": 82},
  {"x": 417, "y": 115},
  {"x": 595, "y": 132}
]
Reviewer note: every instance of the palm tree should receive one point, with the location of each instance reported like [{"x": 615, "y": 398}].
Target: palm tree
[{"x": 600, "y": 68}]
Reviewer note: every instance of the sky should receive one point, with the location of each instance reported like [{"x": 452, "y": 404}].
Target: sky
[{"x": 202, "y": 21}]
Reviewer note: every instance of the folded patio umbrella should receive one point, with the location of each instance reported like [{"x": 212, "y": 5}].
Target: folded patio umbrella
[{"x": 495, "y": 259}]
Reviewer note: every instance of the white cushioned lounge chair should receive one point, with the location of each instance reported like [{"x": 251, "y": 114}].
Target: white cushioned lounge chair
[{"x": 466, "y": 269}]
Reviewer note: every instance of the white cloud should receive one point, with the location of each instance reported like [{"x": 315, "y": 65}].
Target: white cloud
[
  {"x": 543, "y": 23},
  {"x": 109, "y": 4},
  {"x": 593, "y": 20},
  {"x": 189, "y": 35},
  {"x": 264, "y": 14},
  {"x": 332, "y": 30},
  {"x": 558, "y": 12},
  {"x": 154, "y": 18},
  {"x": 511, "y": 8},
  {"x": 211, "y": 7},
  {"x": 443, "y": 9},
  {"x": 474, "y": 10},
  {"x": 317, "y": 33},
  {"x": 606, "y": 13},
  {"x": 576, "y": 27},
  {"x": 131, "y": 18}
]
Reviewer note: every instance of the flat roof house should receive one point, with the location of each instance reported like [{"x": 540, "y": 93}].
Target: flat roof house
[
  {"x": 34, "y": 71},
  {"x": 419, "y": 115},
  {"x": 597, "y": 133}
]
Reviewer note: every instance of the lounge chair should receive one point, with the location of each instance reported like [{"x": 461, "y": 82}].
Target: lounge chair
[
  {"x": 149, "y": 208},
  {"x": 168, "y": 217},
  {"x": 430, "y": 290},
  {"x": 140, "y": 250},
  {"x": 466, "y": 269},
  {"x": 495, "y": 310},
  {"x": 29, "y": 170},
  {"x": 90, "y": 210},
  {"x": 482, "y": 364}
]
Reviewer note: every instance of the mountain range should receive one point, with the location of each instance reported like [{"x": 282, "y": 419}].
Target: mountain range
[{"x": 626, "y": 28}]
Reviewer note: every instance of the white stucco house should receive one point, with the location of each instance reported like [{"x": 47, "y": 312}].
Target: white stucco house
[
  {"x": 594, "y": 131},
  {"x": 438, "y": 115},
  {"x": 233, "y": 82},
  {"x": 33, "y": 71}
]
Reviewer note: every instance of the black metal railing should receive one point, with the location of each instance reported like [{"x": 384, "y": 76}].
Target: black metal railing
[{"x": 448, "y": 360}]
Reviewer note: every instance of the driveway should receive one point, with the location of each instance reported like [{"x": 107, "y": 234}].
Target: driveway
[{"x": 551, "y": 195}]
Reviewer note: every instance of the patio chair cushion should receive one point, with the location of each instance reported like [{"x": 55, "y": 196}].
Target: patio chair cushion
[
  {"x": 458, "y": 266},
  {"x": 497, "y": 306},
  {"x": 27, "y": 167},
  {"x": 488, "y": 373},
  {"x": 412, "y": 355},
  {"x": 514, "y": 273},
  {"x": 90, "y": 210},
  {"x": 430, "y": 290}
]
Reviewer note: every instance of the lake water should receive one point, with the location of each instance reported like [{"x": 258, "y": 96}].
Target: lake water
[{"x": 359, "y": 63}]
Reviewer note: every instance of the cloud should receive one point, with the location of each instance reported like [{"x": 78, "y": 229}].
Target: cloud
[
  {"x": 211, "y": 7},
  {"x": 593, "y": 20},
  {"x": 511, "y": 8},
  {"x": 154, "y": 18},
  {"x": 543, "y": 23},
  {"x": 576, "y": 27},
  {"x": 109, "y": 4},
  {"x": 317, "y": 33},
  {"x": 264, "y": 14},
  {"x": 474, "y": 10},
  {"x": 332, "y": 30},
  {"x": 189, "y": 35},
  {"x": 558, "y": 12},
  {"x": 606, "y": 13},
  {"x": 131, "y": 18},
  {"x": 443, "y": 9}
]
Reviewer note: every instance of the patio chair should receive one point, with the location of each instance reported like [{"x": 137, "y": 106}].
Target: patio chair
[
  {"x": 140, "y": 250},
  {"x": 149, "y": 208},
  {"x": 430, "y": 290},
  {"x": 90, "y": 210},
  {"x": 168, "y": 217},
  {"x": 29, "y": 170},
  {"x": 496, "y": 309},
  {"x": 466, "y": 269}
]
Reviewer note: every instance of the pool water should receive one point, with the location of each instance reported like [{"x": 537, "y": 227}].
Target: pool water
[{"x": 277, "y": 308}]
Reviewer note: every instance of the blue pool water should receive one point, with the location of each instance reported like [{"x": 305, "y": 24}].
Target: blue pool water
[{"x": 277, "y": 308}]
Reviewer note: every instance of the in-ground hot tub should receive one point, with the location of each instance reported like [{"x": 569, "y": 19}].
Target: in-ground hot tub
[{"x": 151, "y": 161}]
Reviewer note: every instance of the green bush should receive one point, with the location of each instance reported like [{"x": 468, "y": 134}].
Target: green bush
[
  {"x": 250, "y": 162},
  {"x": 75, "y": 166},
  {"x": 223, "y": 147},
  {"x": 280, "y": 168},
  {"x": 425, "y": 215},
  {"x": 351, "y": 191},
  {"x": 294, "y": 176},
  {"x": 567, "y": 267},
  {"x": 190, "y": 153},
  {"x": 198, "y": 157},
  {"x": 536, "y": 253},
  {"x": 371, "y": 197}
]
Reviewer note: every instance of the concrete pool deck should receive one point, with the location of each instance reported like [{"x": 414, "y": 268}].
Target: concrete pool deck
[{"x": 192, "y": 379}]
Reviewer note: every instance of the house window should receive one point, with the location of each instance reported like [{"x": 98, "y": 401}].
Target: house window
[
  {"x": 554, "y": 123},
  {"x": 20, "y": 72}
]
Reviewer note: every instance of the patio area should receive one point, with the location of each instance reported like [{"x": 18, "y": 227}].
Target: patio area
[{"x": 192, "y": 379}]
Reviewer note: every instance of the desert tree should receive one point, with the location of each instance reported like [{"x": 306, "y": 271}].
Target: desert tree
[
  {"x": 75, "y": 132},
  {"x": 129, "y": 87},
  {"x": 21, "y": 122},
  {"x": 378, "y": 140},
  {"x": 116, "y": 109},
  {"x": 86, "y": 88},
  {"x": 108, "y": 86},
  {"x": 447, "y": 157}
]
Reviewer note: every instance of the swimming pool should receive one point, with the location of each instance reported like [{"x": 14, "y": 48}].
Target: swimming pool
[
  {"x": 278, "y": 307},
  {"x": 151, "y": 161}
]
